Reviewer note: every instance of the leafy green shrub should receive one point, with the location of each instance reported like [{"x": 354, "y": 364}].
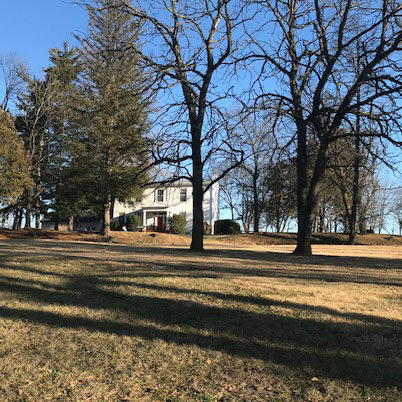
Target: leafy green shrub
[
  {"x": 115, "y": 225},
  {"x": 177, "y": 224},
  {"x": 226, "y": 226},
  {"x": 207, "y": 228},
  {"x": 133, "y": 222}
]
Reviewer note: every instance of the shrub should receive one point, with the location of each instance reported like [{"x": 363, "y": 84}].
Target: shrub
[
  {"x": 133, "y": 222},
  {"x": 226, "y": 226},
  {"x": 115, "y": 225},
  {"x": 177, "y": 224},
  {"x": 207, "y": 228}
]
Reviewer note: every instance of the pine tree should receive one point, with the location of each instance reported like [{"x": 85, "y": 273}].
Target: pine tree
[
  {"x": 64, "y": 71},
  {"x": 33, "y": 124},
  {"x": 111, "y": 149}
]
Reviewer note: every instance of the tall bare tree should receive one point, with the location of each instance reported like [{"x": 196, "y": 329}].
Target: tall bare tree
[
  {"x": 397, "y": 209},
  {"x": 192, "y": 46},
  {"x": 311, "y": 52},
  {"x": 12, "y": 71},
  {"x": 260, "y": 146}
]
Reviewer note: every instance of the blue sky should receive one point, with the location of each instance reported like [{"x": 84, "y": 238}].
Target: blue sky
[{"x": 29, "y": 28}]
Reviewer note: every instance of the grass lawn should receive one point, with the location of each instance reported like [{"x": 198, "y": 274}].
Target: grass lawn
[{"x": 106, "y": 322}]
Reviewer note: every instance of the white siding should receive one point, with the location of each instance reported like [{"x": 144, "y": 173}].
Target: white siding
[{"x": 172, "y": 204}]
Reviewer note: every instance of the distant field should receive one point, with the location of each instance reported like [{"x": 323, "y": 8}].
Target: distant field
[
  {"x": 86, "y": 321},
  {"x": 263, "y": 239}
]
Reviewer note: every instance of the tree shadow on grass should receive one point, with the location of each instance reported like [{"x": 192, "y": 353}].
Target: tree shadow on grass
[
  {"x": 337, "y": 350},
  {"x": 361, "y": 350},
  {"x": 243, "y": 254},
  {"x": 316, "y": 238},
  {"x": 131, "y": 269},
  {"x": 219, "y": 263}
]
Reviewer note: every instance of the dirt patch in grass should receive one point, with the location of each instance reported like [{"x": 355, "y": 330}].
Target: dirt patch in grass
[{"x": 113, "y": 322}]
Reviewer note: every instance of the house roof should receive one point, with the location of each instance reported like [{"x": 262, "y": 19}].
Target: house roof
[
  {"x": 178, "y": 183},
  {"x": 155, "y": 208},
  {"x": 87, "y": 218},
  {"x": 52, "y": 219}
]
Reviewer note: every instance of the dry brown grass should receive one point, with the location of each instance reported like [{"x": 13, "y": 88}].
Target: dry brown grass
[
  {"x": 238, "y": 240},
  {"x": 317, "y": 238},
  {"x": 108, "y": 322}
]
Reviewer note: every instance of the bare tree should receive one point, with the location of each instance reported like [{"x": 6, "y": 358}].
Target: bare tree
[
  {"x": 229, "y": 195},
  {"x": 397, "y": 209},
  {"x": 237, "y": 195},
  {"x": 256, "y": 138},
  {"x": 12, "y": 71},
  {"x": 342, "y": 176},
  {"x": 190, "y": 59},
  {"x": 311, "y": 52},
  {"x": 377, "y": 202},
  {"x": 280, "y": 198}
]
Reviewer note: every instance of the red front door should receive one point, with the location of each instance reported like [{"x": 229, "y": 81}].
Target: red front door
[{"x": 159, "y": 224}]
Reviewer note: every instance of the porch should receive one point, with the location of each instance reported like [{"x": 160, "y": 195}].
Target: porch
[{"x": 154, "y": 220}]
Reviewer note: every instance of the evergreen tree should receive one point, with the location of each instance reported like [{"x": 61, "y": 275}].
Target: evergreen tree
[
  {"x": 110, "y": 150},
  {"x": 33, "y": 124},
  {"x": 64, "y": 71}
]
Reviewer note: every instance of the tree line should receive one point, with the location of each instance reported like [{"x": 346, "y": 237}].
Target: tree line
[{"x": 292, "y": 105}]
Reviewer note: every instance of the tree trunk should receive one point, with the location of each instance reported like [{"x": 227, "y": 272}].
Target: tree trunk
[
  {"x": 28, "y": 214},
  {"x": 356, "y": 178},
  {"x": 307, "y": 194},
  {"x": 113, "y": 199},
  {"x": 197, "y": 239},
  {"x": 304, "y": 211},
  {"x": 232, "y": 212},
  {"x": 245, "y": 225},
  {"x": 21, "y": 214},
  {"x": 56, "y": 221},
  {"x": 304, "y": 225},
  {"x": 16, "y": 218},
  {"x": 355, "y": 195},
  {"x": 37, "y": 218},
  {"x": 197, "y": 235},
  {"x": 256, "y": 207},
  {"x": 277, "y": 221},
  {"x": 322, "y": 218},
  {"x": 363, "y": 227},
  {"x": 106, "y": 217},
  {"x": 71, "y": 223}
]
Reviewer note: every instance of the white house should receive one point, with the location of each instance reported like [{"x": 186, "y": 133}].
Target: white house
[{"x": 158, "y": 203}]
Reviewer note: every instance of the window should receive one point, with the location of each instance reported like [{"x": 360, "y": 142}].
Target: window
[
  {"x": 183, "y": 194},
  {"x": 160, "y": 195}
]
